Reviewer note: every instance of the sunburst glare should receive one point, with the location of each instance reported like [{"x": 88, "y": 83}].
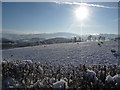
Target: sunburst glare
[{"x": 81, "y": 13}]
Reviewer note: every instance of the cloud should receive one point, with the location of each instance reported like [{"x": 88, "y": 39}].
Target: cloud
[
  {"x": 70, "y": 2},
  {"x": 86, "y": 4},
  {"x": 117, "y": 19},
  {"x": 88, "y": 26},
  {"x": 10, "y": 31}
]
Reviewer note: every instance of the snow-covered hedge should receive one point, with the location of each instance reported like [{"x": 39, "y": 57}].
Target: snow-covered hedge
[{"x": 35, "y": 75}]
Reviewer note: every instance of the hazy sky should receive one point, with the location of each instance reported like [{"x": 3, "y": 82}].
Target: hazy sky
[
  {"x": 60, "y": 0},
  {"x": 48, "y": 17},
  {"x": 0, "y": 15}
]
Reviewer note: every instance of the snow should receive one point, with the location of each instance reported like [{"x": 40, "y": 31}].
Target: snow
[
  {"x": 10, "y": 81},
  {"x": 66, "y": 53},
  {"x": 60, "y": 84},
  {"x": 109, "y": 79},
  {"x": 116, "y": 79},
  {"x": 40, "y": 69},
  {"x": 92, "y": 76},
  {"x": 28, "y": 61}
]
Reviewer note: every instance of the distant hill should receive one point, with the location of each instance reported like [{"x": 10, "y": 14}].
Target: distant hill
[
  {"x": 15, "y": 40},
  {"x": 4, "y": 40},
  {"x": 56, "y": 40},
  {"x": 43, "y": 35},
  {"x": 109, "y": 35}
]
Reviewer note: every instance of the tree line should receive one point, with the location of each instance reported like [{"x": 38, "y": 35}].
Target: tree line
[{"x": 89, "y": 38}]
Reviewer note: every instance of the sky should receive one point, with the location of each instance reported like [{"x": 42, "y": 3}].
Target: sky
[
  {"x": 60, "y": 0},
  {"x": 0, "y": 17},
  {"x": 50, "y": 17}
]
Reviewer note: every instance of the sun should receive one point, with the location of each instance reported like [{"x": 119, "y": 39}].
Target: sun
[{"x": 81, "y": 13}]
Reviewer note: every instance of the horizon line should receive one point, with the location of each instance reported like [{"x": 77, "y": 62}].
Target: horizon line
[{"x": 58, "y": 32}]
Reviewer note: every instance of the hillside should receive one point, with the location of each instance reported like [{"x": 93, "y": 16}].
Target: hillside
[{"x": 75, "y": 53}]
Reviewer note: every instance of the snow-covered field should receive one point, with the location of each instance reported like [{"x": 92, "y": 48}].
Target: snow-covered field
[{"x": 74, "y": 53}]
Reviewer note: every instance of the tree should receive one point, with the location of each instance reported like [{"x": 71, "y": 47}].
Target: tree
[
  {"x": 95, "y": 38},
  {"x": 99, "y": 38},
  {"x": 74, "y": 39},
  {"x": 103, "y": 38},
  {"x": 79, "y": 39},
  {"x": 89, "y": 37}
]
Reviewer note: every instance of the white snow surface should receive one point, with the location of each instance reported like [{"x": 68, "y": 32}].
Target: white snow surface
[
  {"x": 60, "y": 84},
  {"x": 109, "y": 79},
  {"x": 66, "y": 53}
]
